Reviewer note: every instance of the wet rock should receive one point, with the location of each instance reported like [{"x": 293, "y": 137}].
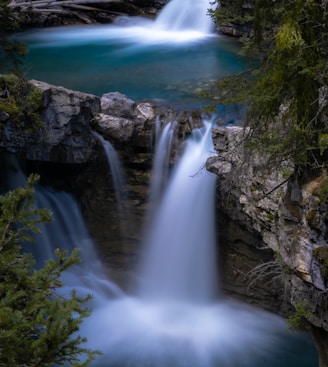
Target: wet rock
[
  {"x": 67, "y": 135},
  {"x": 145, "y": 112},
  {"x": 114, "y": 128},
  {"x": 285, "y": 215},
  {"x": 117, "y": 104}
]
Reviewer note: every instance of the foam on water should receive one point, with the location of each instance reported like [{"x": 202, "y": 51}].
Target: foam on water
[
  {"x": 177, "y": 318},
  {"x": 134, "y": 332},
  {"x": 179, "y": 22}
]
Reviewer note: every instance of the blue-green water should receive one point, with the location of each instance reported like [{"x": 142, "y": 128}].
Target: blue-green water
[
  {"x": 102, "y": 59},
  {"x": 142, "y": 63}
]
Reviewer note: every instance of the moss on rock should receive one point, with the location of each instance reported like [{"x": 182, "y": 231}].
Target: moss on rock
[{"x": 321, "y": 254}]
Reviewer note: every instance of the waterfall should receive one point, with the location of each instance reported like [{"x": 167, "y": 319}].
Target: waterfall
[
  {"x": 179, "y": 22},
  {"x": 176, "y": 317},
  {"x": 180, "y": 258},
  {"x": 68, "y": 231},
  {"x": 181, "y": 15},
  {"x": 114, "y": 165},
  {"x": 160, "y": 171}
]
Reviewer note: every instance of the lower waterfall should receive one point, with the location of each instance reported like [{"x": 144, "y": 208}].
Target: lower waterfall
[{"x": 177, "y": 316}]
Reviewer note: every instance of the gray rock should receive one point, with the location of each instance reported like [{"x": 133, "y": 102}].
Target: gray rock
[
  {"x": 289, "y": 219},
  {"x": 117, "y": 104},
  {"x": 67, "y": 136},
  {"x": 115, "y": 128}
]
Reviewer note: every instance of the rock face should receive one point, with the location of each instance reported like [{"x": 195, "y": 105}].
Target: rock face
[
  {"x": 272, "y": 229},
  {"x": 287, "y": 217},
  {"x": 69, "y": 156},
  {"x": 236, "y": 29},
  {"x": 93, "y": 12},
  {"x": 67, "y": 136}
]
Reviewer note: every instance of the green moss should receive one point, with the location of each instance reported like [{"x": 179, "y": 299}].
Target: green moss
[
  {"x": 298, "y": 320},
  {"x": 321, "y": 254},
  {"x": 322, "y": 191},
  {"x": 270, "y": 217},
  {"x": 9, "y": 106},
  {"x": 286, "y": 173},
  {"x": 323, "y": 143},
  {"x": 312, "y": 218},
  {"x": 284, "y": 267},
  {"x": 22, "y": 101}
]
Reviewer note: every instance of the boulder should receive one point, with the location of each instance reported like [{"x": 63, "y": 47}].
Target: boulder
[
  {"x": 67, "y": 136},
  {"x": 115, "y": 128},
  {"x": 117, "y": 104}
]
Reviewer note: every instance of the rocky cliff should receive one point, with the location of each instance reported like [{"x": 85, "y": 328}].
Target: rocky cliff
[
  {"x": 286, "y": 216},
  {"x": 272, "y": 228},
  {"x": 69, "y": 156}
]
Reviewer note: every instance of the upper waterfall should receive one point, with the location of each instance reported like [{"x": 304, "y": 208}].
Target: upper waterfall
[{"x": 181, "y": 15}]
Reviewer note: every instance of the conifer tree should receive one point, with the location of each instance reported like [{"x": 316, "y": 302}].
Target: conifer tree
[
  {"x": 38, "y": 328},
  {"x": 11, "y": 51},
  {"x": 285, "y": 90}
]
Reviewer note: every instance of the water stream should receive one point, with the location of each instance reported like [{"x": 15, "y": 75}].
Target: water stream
[
  {"x": 177, "y": 316},
  {"x": 170, "y": 58}
]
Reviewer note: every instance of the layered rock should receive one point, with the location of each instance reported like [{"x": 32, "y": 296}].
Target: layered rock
[
  {"x": 235, "y": 28},
  {"x": 90, "y": 12},
  {"x": 287, "y": 217},
  {"x": 271, "y": 228},
  {"x": 69, "y": 156}
]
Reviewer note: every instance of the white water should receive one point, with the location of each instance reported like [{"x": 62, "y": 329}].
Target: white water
[
  {"x": 160, "y": 171},
  {"x": 180, "y": 258},
  {"x": 115, "y": 168},
  {"x": 182, "y": 15},
  {"x": 68, "y": 231},
  {"x": 177, "y": 318},
  {"x": 180, "y": 21}
]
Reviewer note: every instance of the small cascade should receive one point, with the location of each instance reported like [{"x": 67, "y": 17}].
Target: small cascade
[
  {"x": 177, "y": 318},
  {"x": 68, "y": 231},
  {"x": 180, "y": 21},
  {"x": 184, "y": 15},
  {"x": 115, "y": 168},
  {"x": 160, "y": 171},
  {"x": 114, "y": 165}
]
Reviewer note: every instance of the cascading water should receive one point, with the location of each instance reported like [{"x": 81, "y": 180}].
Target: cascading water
[
  {"x": 170, "y": 57},
  {"x": 193, "y": 17},
  {"x": 68, "y": 231},
  {"x": 114, "y": 166},
  {"x": 176, "y": 318},
  {"x": 180, "y": 257},
  {"x": 118, "y": 180},
  {"x": 178, "y": 22},
  {"x": 160, "y": 172}
]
